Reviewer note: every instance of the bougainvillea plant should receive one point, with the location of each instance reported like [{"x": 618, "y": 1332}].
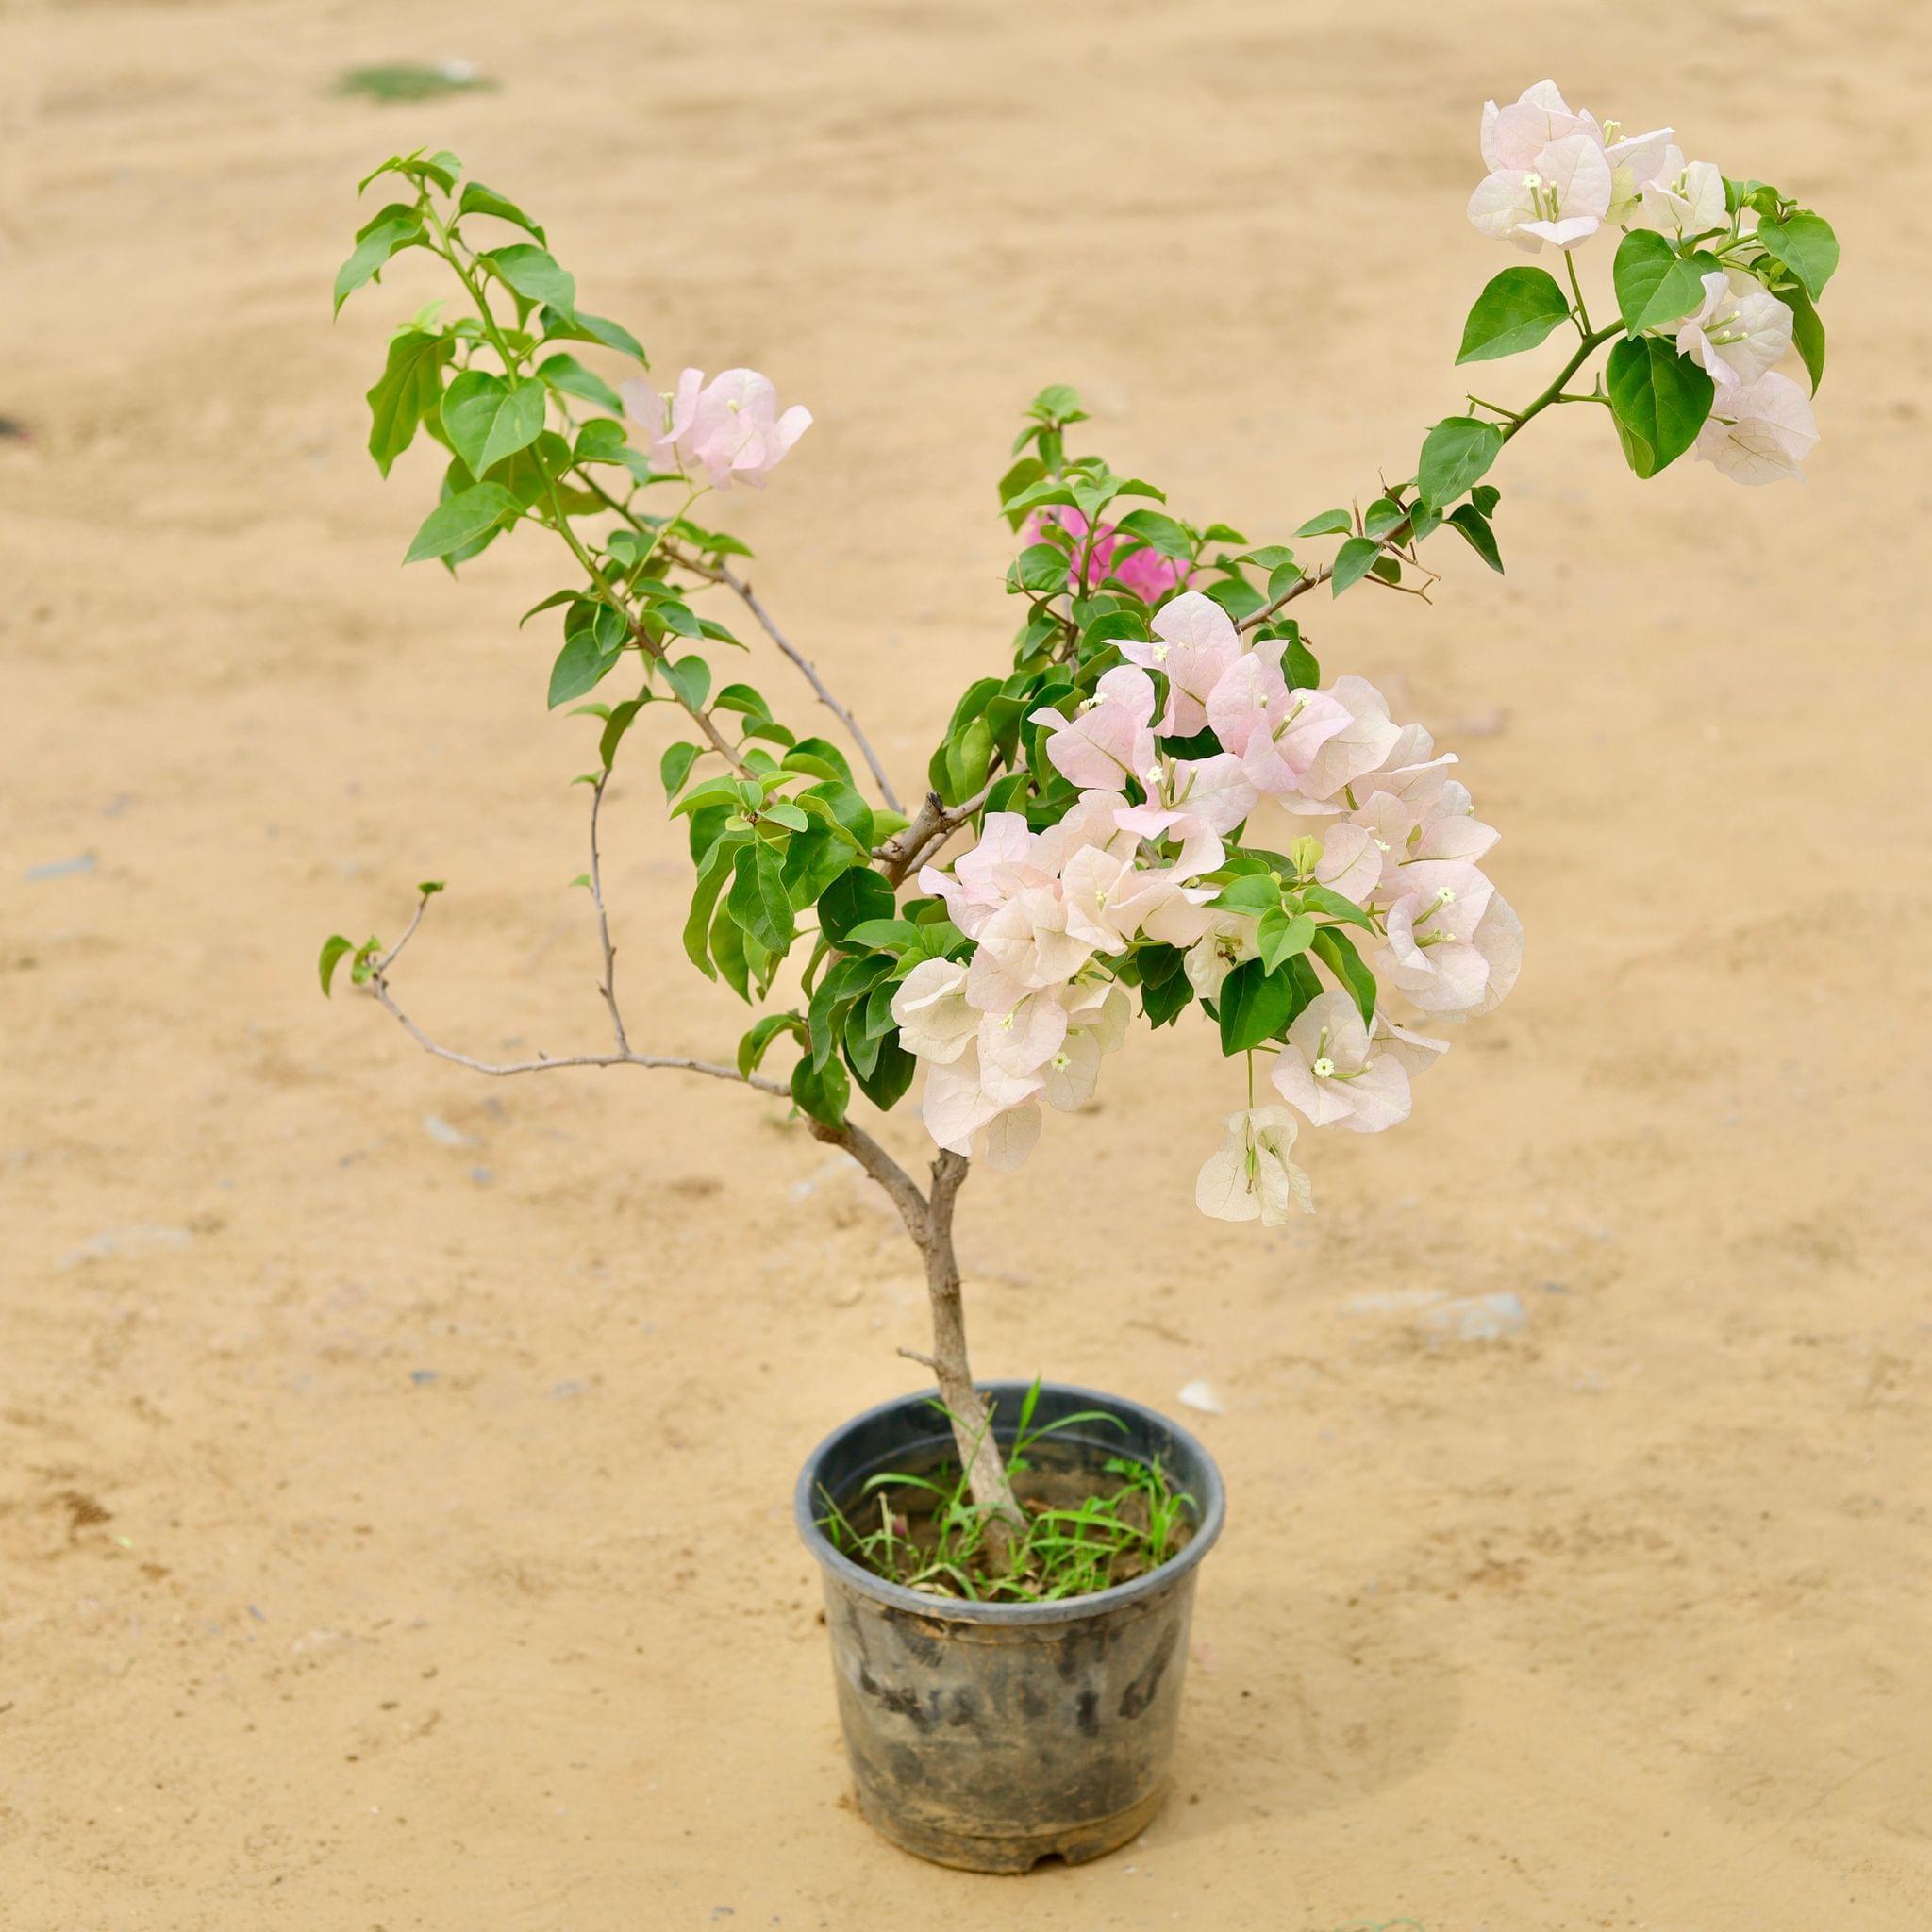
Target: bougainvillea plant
[{"x": 1160, "y": 808}]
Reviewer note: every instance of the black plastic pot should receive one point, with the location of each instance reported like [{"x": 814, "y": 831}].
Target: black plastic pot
[{"x": 990, "y": 1736}]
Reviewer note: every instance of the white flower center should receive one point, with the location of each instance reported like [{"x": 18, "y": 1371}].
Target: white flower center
[
  {"x": 1324, "y": 1068},
  {"x": 1060, "y": 1063},
  {"x": 1158, "y": 654}
]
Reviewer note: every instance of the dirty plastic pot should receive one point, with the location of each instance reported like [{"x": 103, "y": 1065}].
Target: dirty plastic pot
[{"x": 990, "y": 1736}]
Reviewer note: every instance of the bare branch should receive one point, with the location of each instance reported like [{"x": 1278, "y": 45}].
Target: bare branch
[
  {"x": 724, "y": 573},
  {"x": 543, "y": 1063},
  {"x": 932, "y": 826},
  {"x": 609, "y": 988}
]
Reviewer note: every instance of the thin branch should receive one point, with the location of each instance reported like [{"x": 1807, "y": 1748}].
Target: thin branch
[
  {"x": 932, "y": 826},
  {"x": 724, "y": 573},
  {"x": 543, "y": 1063},
  {"x": 609, "y": 988}
]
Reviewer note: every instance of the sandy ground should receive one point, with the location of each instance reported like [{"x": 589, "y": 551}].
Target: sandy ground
[{"x": 394, "y": 1499}]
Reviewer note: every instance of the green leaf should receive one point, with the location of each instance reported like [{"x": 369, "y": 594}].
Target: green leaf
[
  {"x": 675, "y": 766},
  {"x": 333, "y": 949},
  {"x": 711, "y": 880},
  {"x": 758, "y": 898},
  {"x": 1164, "y": 1002},
  {"x": 1516, "y": 311},
  {"x": 691, "y": 678},
  {"x": 396, "y": 227},
  {"x": 810, "y": 752},
  {"x": 1281, "y": 936},
  {"x": 1383, "y": 515},
  {"x": 823, "y": 1092},
  {"x": 409, "y": 389},
  {"x": 1331, "y": 522},
  {"x": 1326, "y": 899},
  {"x": 620, "y": 721},
  {"x": 1042, "y": 567},
  {"x": 1235, "y": 596},
  {"x": 1659, "y": 400},
  {"x": 1655, "y": 284},
  {"x": 1298, "y": 663},
  {"x": 854, "y": 898},
  {"x": 485, "y": 419},
  {"x": 479, "y": 200},
  {"x": 1255, "y": 1004},
  {"x": 1473, "y": 526},
  {"x": 1159, "y": 532},
  {"x": 1335, "y": 951},
  {"x": 1352, "y": 563},
  {"x": 1808, "y": 332},
  {"x": 1253, "y": 891},
  {"x": 1455, "y": 453},
  {"x": 584, "y": 328},
  {"x": 733, "y": 949},
  {"x": 563, "y": 371},
  {"x": 534, "y": 275},
  {"x": 467, "y": 515},
  {"x": 881, "y": 935},
  {"x": 751, "y": 1049},
  {"x": 840, "y": 804},
  {"x": 1805, "y": 244},
  {"x": 581, "y": 665},
  {"x": 890, "y": 1074}
]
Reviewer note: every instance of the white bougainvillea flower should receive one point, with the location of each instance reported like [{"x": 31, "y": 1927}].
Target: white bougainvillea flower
[
  {"x": 1561, "y": 197},
  {"x": 1331, "y": 1072},
  {"x": 1635, "y": 160},
  {"x": 1759, "y": 432},
  {"x": 729, "y": 428},
  {"x": 1097, "y": 1017},
  {"x": 1741, "y": 331},
  {"x": 1100, "y": 1009},
  {"x": 1216, "y": 789},
  {"x": 1091, "y": 819},
  {"x": 1251, "y": 1177},
  {"x": 1008, "y": 1138},
  {"x": 1230, "y": 937},
  {"x": 1005, "y": 860},
  {"x": 963, "y": 1096},
  {"x": 1027, "y": 945},
  {"x": 1194, "y": 641},
  {"x": 1454, "y": 944},
  {"x": 1514, "y": 136},
  {"x": 1683, "y": 198},
  {"x": 1201, "y": 847},
  {"x": 1110, "y": 738},
  {"x": 1022, "y": 1040},
  {"x": 1415, "y": 1052},
  {"x": 1352, "y": 855},
  {"x": 1275, "y": 731},
  {"x": 1361, "y": 745},
  {"x": 664, "y": 416},
  {"x": 935, "y": 1021}
]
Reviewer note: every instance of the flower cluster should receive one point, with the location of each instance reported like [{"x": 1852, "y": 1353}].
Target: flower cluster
[
  {"x": 729, "y": 428},
  {"x": 1557, "y": 175},
  {"x": 1062, "y": 917},
  {"x": 1136, "y": 567}
]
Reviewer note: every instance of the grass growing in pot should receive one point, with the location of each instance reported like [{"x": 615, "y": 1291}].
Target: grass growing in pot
[{"x": 932, "y": 1537}]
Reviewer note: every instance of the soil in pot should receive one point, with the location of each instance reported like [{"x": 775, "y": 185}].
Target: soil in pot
[{"x": 1087, "y": 1529}]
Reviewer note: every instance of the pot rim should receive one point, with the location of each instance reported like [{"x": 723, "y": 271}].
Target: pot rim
[{"x": 1063, "y": 1610}]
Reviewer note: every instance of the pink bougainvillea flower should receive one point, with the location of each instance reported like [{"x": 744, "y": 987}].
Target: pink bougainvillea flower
[
  {"x": 736, "y": 431},
  {"x": 1194, "y": 641},
  {"x": 1251, "y": 1177},
  {"x": 1005, "y": 861},
  {"x": 1146, "y": 573},
  {"x": 935, "y": 1021},
  {"x": 1353, "y": 860},
  {"x": 1331, "y": 1072},
  {"x": 1025, "y": 1038},
  {"x": 1110, "y": 738},
  {"x": 1275, "y": 731},
  {"x": 1759, "y": 432},
  {"x": 1091, "y": 820},
  {"x": 729, "y": 428},
  {"x": 664, "y": 416},
  {"x": 1216, "y": 789},
  {"x": 1454, "y": 944},
  {"x": 1560, "y": 195},
  {"x": 1741, "y": 331},
  {"x": 1682, "y": 198},
  {"x": 1360, "y": 743},
  {"x": 1027, "y": 945}
]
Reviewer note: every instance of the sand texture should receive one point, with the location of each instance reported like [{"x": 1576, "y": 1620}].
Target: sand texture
[{"x": 394, "y": 1465}]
